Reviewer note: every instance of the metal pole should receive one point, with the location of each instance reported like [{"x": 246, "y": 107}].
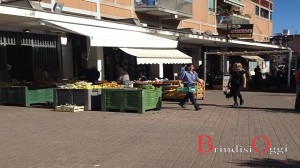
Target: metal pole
[
  {"x": 223, "y": 63},
  {"x": 204, "y": 66},
  {"x": 290, "y": 67}
]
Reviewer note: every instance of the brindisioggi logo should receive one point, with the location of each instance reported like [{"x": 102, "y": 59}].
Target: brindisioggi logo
[{"x": 205, "y": 146}]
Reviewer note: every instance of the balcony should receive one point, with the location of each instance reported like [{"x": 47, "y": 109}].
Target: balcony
[
  {"x": 165, "y": 9},
  {"x": 224, "y": 20}
]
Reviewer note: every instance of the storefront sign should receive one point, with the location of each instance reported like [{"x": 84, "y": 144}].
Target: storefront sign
[{"x": 241, "y": 30}]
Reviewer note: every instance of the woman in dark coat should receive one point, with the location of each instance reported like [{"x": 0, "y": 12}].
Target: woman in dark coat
[{"x": 236, "y": 82}]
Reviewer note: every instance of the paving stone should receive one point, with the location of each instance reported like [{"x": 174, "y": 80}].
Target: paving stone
[{"x": 38, "y": 137}]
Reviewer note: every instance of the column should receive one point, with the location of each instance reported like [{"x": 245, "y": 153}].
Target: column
[
  {"x": 96, "y": 59},
  {"x": 161, "y": 70}
]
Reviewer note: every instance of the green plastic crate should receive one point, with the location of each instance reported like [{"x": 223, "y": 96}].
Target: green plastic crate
[
  {"x": 138, "y": 100},
  {"x": 23, "y": 96}
]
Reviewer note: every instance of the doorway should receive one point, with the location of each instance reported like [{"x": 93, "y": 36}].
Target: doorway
[{"x": 21, "y": 60}]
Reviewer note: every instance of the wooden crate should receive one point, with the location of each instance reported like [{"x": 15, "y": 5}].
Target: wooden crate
[
  {"x": 169, "y": 91},
  {"x": 69, "y": 109}
]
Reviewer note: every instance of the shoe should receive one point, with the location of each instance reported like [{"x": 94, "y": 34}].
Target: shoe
[
  {"x": 197, "y": 107},
  {"x": 235, "y": 105},
  {"x": 242, "y": 102},
  {"x": 182, "y": 105}
]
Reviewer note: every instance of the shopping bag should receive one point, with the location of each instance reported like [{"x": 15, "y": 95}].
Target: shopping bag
[
  {"x": 186, "y": 89},
  {"x": 227, "y": 93}
]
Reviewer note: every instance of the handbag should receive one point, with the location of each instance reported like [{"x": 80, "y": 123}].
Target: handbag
[{"x": 227, "y": 93}]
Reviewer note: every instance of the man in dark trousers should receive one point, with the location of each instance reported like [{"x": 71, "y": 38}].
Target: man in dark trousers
[{"x": 189, "y": 79}]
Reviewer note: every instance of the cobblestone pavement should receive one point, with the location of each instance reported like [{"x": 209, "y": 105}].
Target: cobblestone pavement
[{"x": 38, "y": 137}]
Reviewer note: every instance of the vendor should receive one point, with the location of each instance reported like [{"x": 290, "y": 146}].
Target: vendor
[
  {"x": 92, "y": 75},
  {"x": 45, "y": 75},
  {"x": 123, "y": 76}
]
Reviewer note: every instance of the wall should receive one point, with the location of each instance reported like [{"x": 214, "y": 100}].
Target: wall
[
  {"x": 202, "y": 19},
  {"x": 81, "y": 7},
  {"x": 263, "y": 28},
  {"x": 117, "y": 9}
]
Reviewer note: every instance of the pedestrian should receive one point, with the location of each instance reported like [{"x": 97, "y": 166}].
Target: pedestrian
[
  {"x": 236, "y": 82},
  {"x": 189, "y": 78},
  {"x": 257, "y": 77},
  {"x": 281, "y": 78}
]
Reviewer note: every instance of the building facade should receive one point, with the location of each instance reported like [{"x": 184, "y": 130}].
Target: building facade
[{"x": 197, "y": 25}]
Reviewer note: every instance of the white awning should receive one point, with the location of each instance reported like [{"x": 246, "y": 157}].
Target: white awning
[
  {"x": 158, "y": 56},
  {"x": 253, "y": 57},
  {"x": 236, "y": 3},
  {"x": 109, "y": 37}
]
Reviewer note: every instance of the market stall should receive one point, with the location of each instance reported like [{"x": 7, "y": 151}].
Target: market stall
[{"x": 81, "y": 94}]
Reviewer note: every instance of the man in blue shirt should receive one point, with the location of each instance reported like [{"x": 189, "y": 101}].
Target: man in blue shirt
[{"x": 189, "y": 79}]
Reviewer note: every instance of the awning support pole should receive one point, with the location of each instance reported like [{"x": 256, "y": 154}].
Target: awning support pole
[
  {"x": 204, "y": 64},
  {"x": 290, "y": 67},
  {"x": 161, "y": 70}
]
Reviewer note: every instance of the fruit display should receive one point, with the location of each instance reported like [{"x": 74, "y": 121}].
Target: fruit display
[
  {"x": 3, "y": 84},
  {"x": 108, "y": 85},
  {"x": 30, "y": 85},
  {"x": 87, "y": 85}
]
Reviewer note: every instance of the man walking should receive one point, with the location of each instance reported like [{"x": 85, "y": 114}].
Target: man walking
[{"x": 189, "y": 79}]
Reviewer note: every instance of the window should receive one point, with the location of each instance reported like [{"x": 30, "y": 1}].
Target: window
[
  {"x": 264, "y": 13},
  {"x": 211, "y": 5},
  {"x": 257, "y": 10},
  {"x": 271, "y": 15}
]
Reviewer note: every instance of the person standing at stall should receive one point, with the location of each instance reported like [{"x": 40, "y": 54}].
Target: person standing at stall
[
  {"x": 46, "y": 76},
  {"x": 92, "y": 75},
  {"x": 123, "y": 76},
  {"x": 189, "y": 78},
  {"x": 236, "y": 82}
]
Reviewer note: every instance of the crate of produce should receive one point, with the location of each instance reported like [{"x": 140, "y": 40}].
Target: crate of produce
[
  {"x": 139, "y": 100},
  {"x": 89, "y": 98},
  {"x": 22, "y": 95},
  {"x": 69, "y": 108}
]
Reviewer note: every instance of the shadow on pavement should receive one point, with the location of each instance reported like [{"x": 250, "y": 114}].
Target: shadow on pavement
[
  {"x": 272, "y": 163},
  {"x": 267, "y": 109}
]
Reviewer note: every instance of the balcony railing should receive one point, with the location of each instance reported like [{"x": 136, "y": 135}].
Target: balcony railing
[
  {"x": 223, "y": 20},
  {"x": 177, "y": 7}
]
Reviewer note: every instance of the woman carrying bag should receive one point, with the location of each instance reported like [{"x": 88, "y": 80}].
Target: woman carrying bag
[
  {"x": 236, "y": 82},
  {"x": 189, "y": 79}
]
